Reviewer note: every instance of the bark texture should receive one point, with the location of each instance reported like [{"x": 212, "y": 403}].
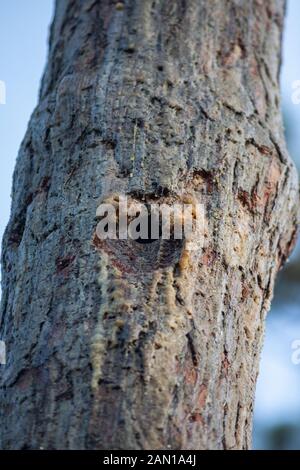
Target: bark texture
[{"x": 122, "y": 345}]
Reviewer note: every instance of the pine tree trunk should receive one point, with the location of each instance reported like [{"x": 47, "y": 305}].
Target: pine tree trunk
[{"x": 123, "y": 345}]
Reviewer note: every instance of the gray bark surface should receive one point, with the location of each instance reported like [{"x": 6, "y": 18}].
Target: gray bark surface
[{"x": 122, "y": 345}]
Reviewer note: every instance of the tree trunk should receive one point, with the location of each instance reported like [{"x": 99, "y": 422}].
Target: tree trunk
[{"x": 123, "y": 345}]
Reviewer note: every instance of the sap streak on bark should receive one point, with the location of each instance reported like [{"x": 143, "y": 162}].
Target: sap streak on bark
[{"x": 124, "y": 345}]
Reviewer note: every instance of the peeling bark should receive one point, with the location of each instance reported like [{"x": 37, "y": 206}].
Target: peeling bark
[{"x": 121, "y": 345}]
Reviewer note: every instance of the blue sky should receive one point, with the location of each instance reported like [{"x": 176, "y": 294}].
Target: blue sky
[
  {"x": 24, "y": 29},
  {"x": 23, "y": 50}
]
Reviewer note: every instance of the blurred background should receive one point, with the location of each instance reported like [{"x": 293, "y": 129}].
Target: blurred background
[{"x": 23, "y": 52}]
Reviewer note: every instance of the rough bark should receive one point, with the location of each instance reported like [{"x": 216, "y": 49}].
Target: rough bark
[{"x": 122, "y": 345}]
